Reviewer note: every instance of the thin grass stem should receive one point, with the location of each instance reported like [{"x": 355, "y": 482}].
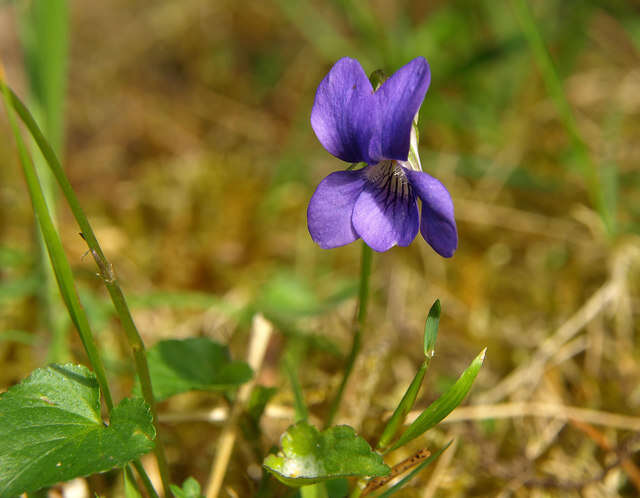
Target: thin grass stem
[
  {"x": 555, "y": 89},
  {"x": 59, "y": 260},
  {"x": 44, "y": 36}
]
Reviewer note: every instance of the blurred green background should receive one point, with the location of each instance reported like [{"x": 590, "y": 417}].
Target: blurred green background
[{"x": 187, "y": 138}]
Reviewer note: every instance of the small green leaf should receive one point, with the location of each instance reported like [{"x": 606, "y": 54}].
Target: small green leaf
[
  {"x": 431, "y": 329},
  {"x": 310, "y": 456},
  {"x": 377, "y": 78},
  {"x": 409, "y": 398},
  {"x": 444, "y": 405},
  {"x": 51, "y": 430},
  {"x": 190, "y": 489},
  {"x": 197, "y": 363},
  {"x": 405, "y": 405}
]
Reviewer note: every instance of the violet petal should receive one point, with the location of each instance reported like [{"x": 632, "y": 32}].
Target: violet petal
[
  {"x": 343, "y": 116},
  {"x": 331, "y": 206},
  {"x": 383, "y": 218},
  {"x": 438, "y": 225},
  {"x": 399, "y": 99}
]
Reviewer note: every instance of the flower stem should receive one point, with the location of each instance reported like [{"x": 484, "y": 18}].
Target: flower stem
[
  {"x": 106, "y": 273},
  {"x": 358, "y": 326}
]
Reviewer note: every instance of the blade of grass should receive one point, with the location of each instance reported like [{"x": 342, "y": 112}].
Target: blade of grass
[
  {"x": 555, "y": 89},
  {"x": 444, "y": 405},
  {"x": 44, "y": 35},
  {"x": 301, "y": 412},
  {"x": 59, "y": 261},
  {"x": 403, "y": 408},
  {"x": 320, "y": 34},
  {"x": 409, "y": 398},
  {"x": 106, "y": 270}
]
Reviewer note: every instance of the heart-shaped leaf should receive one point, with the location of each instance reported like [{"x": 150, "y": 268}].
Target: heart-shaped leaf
[
  {"x": 51, "y": 430},
  {"x": 197, "y": 363},
  {"x": 309, "y": 456}
]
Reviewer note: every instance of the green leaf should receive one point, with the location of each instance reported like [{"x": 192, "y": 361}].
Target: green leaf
[
  {"x": 409, "y": 398},
  {"x": 431, "y": 329},
  {"x": 51, "y": 430},
  {"x": 309, "y": 456},
  {"x": 190, "y": 489},
  {"x": 405, "y": 405},
  {"x": 444, "y": 405},
  {"x": 197, "y": 363}
]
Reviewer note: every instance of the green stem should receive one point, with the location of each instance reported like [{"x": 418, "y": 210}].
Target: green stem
[
  {"x": 148, "y": 485},
  {"x": 318, "y": 490},
  {"x": 59, "y": 260},
  {"x": 363, "y": 300},
  {"x": 107, "y": 274}
]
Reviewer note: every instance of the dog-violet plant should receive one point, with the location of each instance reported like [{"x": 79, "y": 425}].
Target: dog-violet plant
[
  {"x": 357, "y": 123},
  {"x": 372, "y": 121}
]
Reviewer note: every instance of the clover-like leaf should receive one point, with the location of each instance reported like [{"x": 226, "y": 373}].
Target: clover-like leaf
[
  {"x": 51, "y": 430},
  {"x": 190, "y": 489},
  {"x": 310, "y": 456},
  {"x": 197, "y": 363}
]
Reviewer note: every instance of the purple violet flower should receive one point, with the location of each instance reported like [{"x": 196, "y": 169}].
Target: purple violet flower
[{"x": 377, "y": 203}]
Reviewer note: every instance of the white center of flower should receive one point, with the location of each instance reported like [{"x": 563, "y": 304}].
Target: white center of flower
[{"x": 389, "y": 177}]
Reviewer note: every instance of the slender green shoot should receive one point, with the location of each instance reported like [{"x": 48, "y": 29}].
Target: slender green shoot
[
  {"x": 59, "y": 261},
  {"x": 301, "y": 412},
  {"x": 363, "y": 301},
  {"x": 405, "y": 405},
  {"x": 44, "y": 36}
]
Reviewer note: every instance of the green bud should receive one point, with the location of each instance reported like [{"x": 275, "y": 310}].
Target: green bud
[{"x": 377, "y": 78}]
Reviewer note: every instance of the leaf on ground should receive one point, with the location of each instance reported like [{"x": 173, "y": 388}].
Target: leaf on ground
[
  {"x": 51, "y": 430},
  {"x": 309, "y": 456},
  {"x": 197, "y": 363}
]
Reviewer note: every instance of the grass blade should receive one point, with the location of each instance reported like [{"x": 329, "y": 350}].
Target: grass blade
[{"x": 444, "y": 405}]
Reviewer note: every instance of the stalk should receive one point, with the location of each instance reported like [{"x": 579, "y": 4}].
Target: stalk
[{"x": 358, "y": 326}]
